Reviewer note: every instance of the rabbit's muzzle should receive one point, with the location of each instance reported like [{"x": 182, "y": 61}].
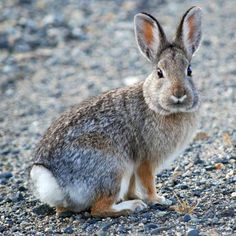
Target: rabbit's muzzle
[{"x": 179, "y": 98}]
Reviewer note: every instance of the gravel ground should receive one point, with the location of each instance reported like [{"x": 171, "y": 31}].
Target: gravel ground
[{"x": 56, "y": 53}]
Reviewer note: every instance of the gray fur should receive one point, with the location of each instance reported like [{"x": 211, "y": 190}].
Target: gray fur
[{"x": 94, "y": 143}]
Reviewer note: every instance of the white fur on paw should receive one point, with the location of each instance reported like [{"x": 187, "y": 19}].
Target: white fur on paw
[
  {"x": 139, "y": 205},
  {"x": 132, "y": 205}
]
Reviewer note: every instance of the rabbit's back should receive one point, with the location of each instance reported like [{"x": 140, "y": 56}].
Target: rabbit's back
[{"x": 104, "y": 123}]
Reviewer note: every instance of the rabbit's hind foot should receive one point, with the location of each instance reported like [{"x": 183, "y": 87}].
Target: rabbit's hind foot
[{"x": 106, "y": 207}]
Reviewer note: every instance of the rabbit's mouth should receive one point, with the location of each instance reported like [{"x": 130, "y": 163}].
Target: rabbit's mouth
[{"x": 177, "y": 108}]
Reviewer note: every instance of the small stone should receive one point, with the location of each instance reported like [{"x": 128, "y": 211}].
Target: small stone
[
  {"x": 159, "y": 207},
  {"x": 17, "y": 197},
  {"x": 147, "y": 215},
  {"x": 209, "y": 168},
  {"x": 186, "y": 218},
  {"x": 219, "y": 166},
  {"x": 107, "y": 226},
  {"x": 65, "y": 214},
  {"x": 2, "y": 228},
  {"x": 222, "y": 160},
  {"x": 100, "y": 233},
  {"x": 151, "y": 226},
  {"x": 229, "y": 174},
  {"x": 198, "y": 161},
  {"x": 233, "y": 195},
  {"x": 227, "y": 212},
  {"x": 68, "y": 230},
  {"x": 22, "y": 189},
  {"x": 227, "y": 139},
  {"x": 193, "y": 232},
  {"x": 122, "y": 230},
  {"x": 43, "y": 210},
  {"x": 4, "y": 44},
  {"x": 6, "y": 175},
  {"x": 86, "y": 214},
  {"x": 182, "y": 186},
  {"x": 3, "y": 181},
  {"x": 158, "y": 230},
  {"x": 161, "y": 213},
  {"x": 197, "y": 193}
]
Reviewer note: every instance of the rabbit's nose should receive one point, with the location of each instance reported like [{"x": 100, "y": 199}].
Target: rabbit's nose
[
  {"x": 178, "y": 91},
  {"x": 178, "y": 99},
  {"x": 178, "y": 94}
]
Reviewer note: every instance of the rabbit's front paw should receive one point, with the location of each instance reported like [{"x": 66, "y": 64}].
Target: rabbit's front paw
[{"x": 138, "y": 205}]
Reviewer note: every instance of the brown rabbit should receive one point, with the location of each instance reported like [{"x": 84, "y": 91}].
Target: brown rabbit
[{"x": 104, "y": 154}]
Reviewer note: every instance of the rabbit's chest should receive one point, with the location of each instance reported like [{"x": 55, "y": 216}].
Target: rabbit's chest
[{"x": 168, "y": 138}]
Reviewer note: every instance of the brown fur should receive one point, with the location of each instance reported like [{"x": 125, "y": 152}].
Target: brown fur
[
  {"x": 147, "y": 177},
  {"x": 60, "y": 210},
  {"x": 95, "y": 140},
  {"x": 132, "y": 189},
  {"x": 103, "y": 208},
  {"x": 148, "y": 32},
  {"x": 192, "y": 27}
]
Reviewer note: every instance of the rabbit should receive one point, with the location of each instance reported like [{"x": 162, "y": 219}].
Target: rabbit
[{"x": 103, "y": 154}]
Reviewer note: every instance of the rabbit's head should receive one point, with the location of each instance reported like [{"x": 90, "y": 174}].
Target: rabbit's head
[{"x": 170, "y": 88}]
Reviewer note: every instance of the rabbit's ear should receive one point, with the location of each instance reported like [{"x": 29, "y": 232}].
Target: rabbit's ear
[
  {"x": 188, "y": 35},
  {"x": 149, "y": 35}
]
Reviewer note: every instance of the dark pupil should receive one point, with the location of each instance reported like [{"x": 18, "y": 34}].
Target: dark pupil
[
  {"x": 159, "y": 72},
  {"x": 189, "y": 71}
]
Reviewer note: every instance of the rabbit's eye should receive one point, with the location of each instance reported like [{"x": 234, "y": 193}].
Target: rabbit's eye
[
  {"x": 189, "y": 71},
  {"x": 159, "y": 73}
]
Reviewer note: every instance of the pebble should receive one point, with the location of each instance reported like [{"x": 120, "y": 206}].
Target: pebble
[
  {"x": 5, "y": 175},
  {"x": 43, "y": 209},
  {"x": 68, "y": 230},
  {"x": 22, "y": 189},
  {"x": 193, "y": 232},
  {"x": 107, "y": 226},
  {"x": 182, "y": 186},
  {"x": 150, "y": 226},
  {"x": 233, "y": 195},
  {"x": 228, "y": 212},
  {"x": 210, "y": 168},
  {"x": 186, "y": 218},
  {"x": 3, "y": 181},
  {"x": 17, "y": 197},
  {"x": 2, "y": 228},
  {"x": 158, "y": 207},
  {"x": 101, "y": 233},
  {"x": 4, "y": 43},
  {"x": 159, "y": 230}
]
